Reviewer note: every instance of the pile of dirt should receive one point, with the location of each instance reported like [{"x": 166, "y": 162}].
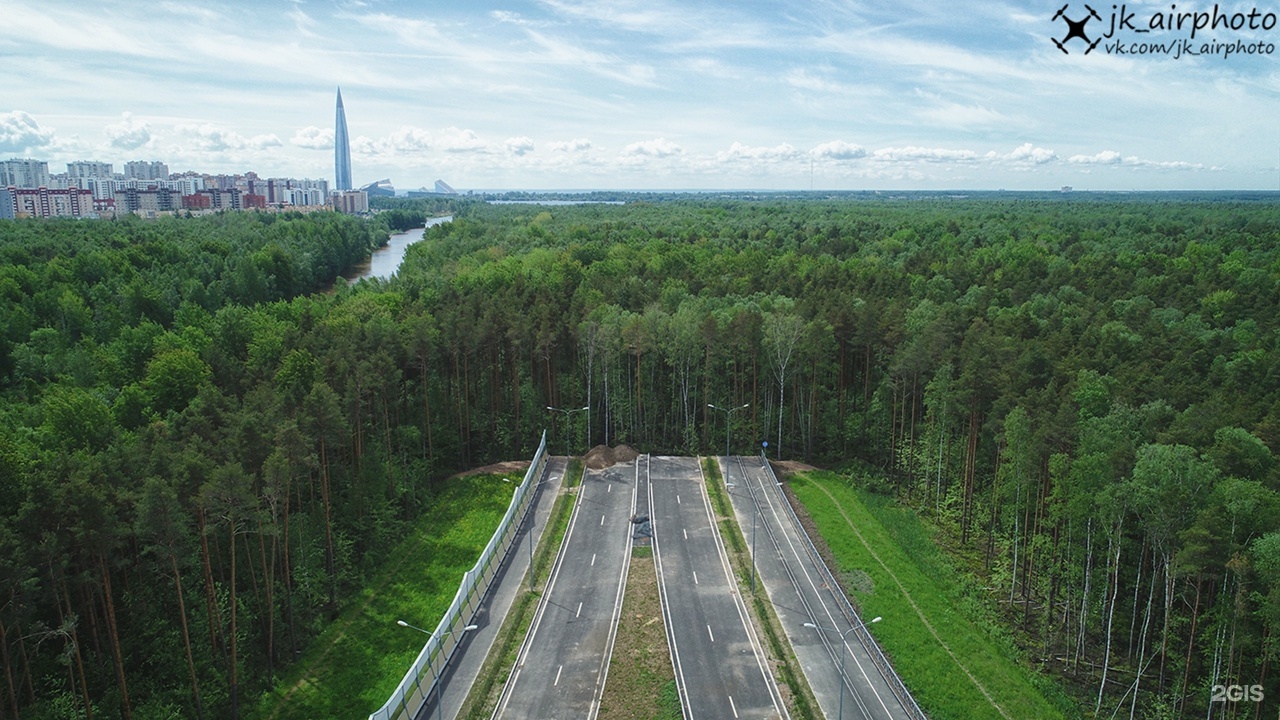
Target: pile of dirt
[
  {"x": 511, "y": 467},
  {"x": 602, "y": 456},
  {"x": 791, "y": 467}
]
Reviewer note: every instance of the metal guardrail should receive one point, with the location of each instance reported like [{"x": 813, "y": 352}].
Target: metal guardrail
[
  {"x": 410, "y": 695},
  {"x": 873, "y": 648}
]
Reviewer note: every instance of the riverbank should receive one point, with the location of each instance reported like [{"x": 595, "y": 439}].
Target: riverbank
[{"x": 385, "y": 261}]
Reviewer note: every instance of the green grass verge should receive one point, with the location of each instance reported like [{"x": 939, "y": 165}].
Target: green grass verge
[
  {"x": 576, "y": 470},
  {"x": 954, "y": 668},
  {"x": 484, "y": 694},
  {"x": 353, "y": 666},
  {"x": 669, "y": 703},
  {"x": 787, "y": 671}
]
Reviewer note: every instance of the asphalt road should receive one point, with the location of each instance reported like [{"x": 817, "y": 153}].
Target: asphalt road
[
  {"x": 799, "y": 593},
  {"x": 720, "y": 667},
  {"x": 561, "y": 668}
]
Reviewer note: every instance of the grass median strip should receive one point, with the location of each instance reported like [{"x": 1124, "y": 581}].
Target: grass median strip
[
  {"x": 641, "y": 684},
  {"x": 484, "y": 695},
  {"x": 952, "y": 667},
  {"x": 786, "y": 669}
]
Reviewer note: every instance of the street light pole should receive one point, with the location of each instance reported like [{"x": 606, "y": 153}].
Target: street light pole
[
  {"x": 439, "y": 684},
  {"x": 754, "y": 518},
  {"x": 843, "y": 652},
  {"x": 727, "y": 412},
  {"x": 566, "y": 430},
  {"x": 529, "y": 531}
]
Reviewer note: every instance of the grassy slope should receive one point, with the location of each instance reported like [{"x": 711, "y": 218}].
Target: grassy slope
[
  {"x": 953, "y": 668},
  {"x": 355, "y": 665}
]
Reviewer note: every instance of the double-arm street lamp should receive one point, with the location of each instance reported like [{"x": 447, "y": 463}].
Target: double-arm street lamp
[
  {"x": 727, "y": 413},
  {"x": 439, "y": 683},
  {"x": 820, "y": 628},
  {"x": 567, "y": 412}
]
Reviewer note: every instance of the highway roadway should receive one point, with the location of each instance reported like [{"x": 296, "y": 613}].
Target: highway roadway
[
  {"x": 561, "y": 668},
  {"x": 720, "y": 667},
  {"x": 801, "y": 594}
]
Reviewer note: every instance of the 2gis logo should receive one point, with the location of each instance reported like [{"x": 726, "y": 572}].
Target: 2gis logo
[{"x": 1236, "y": 693}]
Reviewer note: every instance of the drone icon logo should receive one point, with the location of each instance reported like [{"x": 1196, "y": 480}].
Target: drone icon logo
[{"x": 1075, "y": 29}]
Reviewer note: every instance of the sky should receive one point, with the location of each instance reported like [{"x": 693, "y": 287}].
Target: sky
[{"x": 656, "y": 94}]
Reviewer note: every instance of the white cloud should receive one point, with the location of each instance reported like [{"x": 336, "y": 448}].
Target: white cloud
[
  {"x": 657, "y": 148},
  {"x": 575, "y": 145},
  {"x": 740, "y": 152},
  {"x": 1111, "y": 157},
  {"x": 459, "y": 141},
  {"x": 838, "y": 150},
  {"x": 20, "y": 132},
  {"x": 1027, "y": 153},
  {"x": 314, "y": 138},
  {"x": 519, "y": 145},
  {"x": 1106, "y": 157},
  {"x": 212, "y": 138},
  {"x": 408, "y": 140},
  {"x": 911, "y": 153},
  {"x": 1167, "y": 165},
  {"x": 507, "y": 16},
  {"x": 129, "y": 133},
  {"x": 411, "y": 141}
]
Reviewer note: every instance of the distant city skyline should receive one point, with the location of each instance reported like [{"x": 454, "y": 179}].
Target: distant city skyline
[
  {"x": 94, "y": 189},
  {"x": 542, "y": 94}
]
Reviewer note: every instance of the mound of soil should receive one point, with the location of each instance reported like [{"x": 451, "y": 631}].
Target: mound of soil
[
  {"x": 513, "y": 467},
  {"x": 602, "y": 456},
  {"x": 791, "y": 467}
]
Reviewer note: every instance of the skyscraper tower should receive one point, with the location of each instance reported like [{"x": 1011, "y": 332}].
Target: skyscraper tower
[{"x": 341, "y": 149}]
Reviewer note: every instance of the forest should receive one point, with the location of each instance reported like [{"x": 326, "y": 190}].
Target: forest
[{"x": 201, "y": 455}]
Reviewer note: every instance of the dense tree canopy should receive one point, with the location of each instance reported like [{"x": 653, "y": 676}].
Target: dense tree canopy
[{"x": 198, "y": 460}]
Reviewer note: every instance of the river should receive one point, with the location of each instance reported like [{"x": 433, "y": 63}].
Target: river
[{"x": 385, "y": 261}]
